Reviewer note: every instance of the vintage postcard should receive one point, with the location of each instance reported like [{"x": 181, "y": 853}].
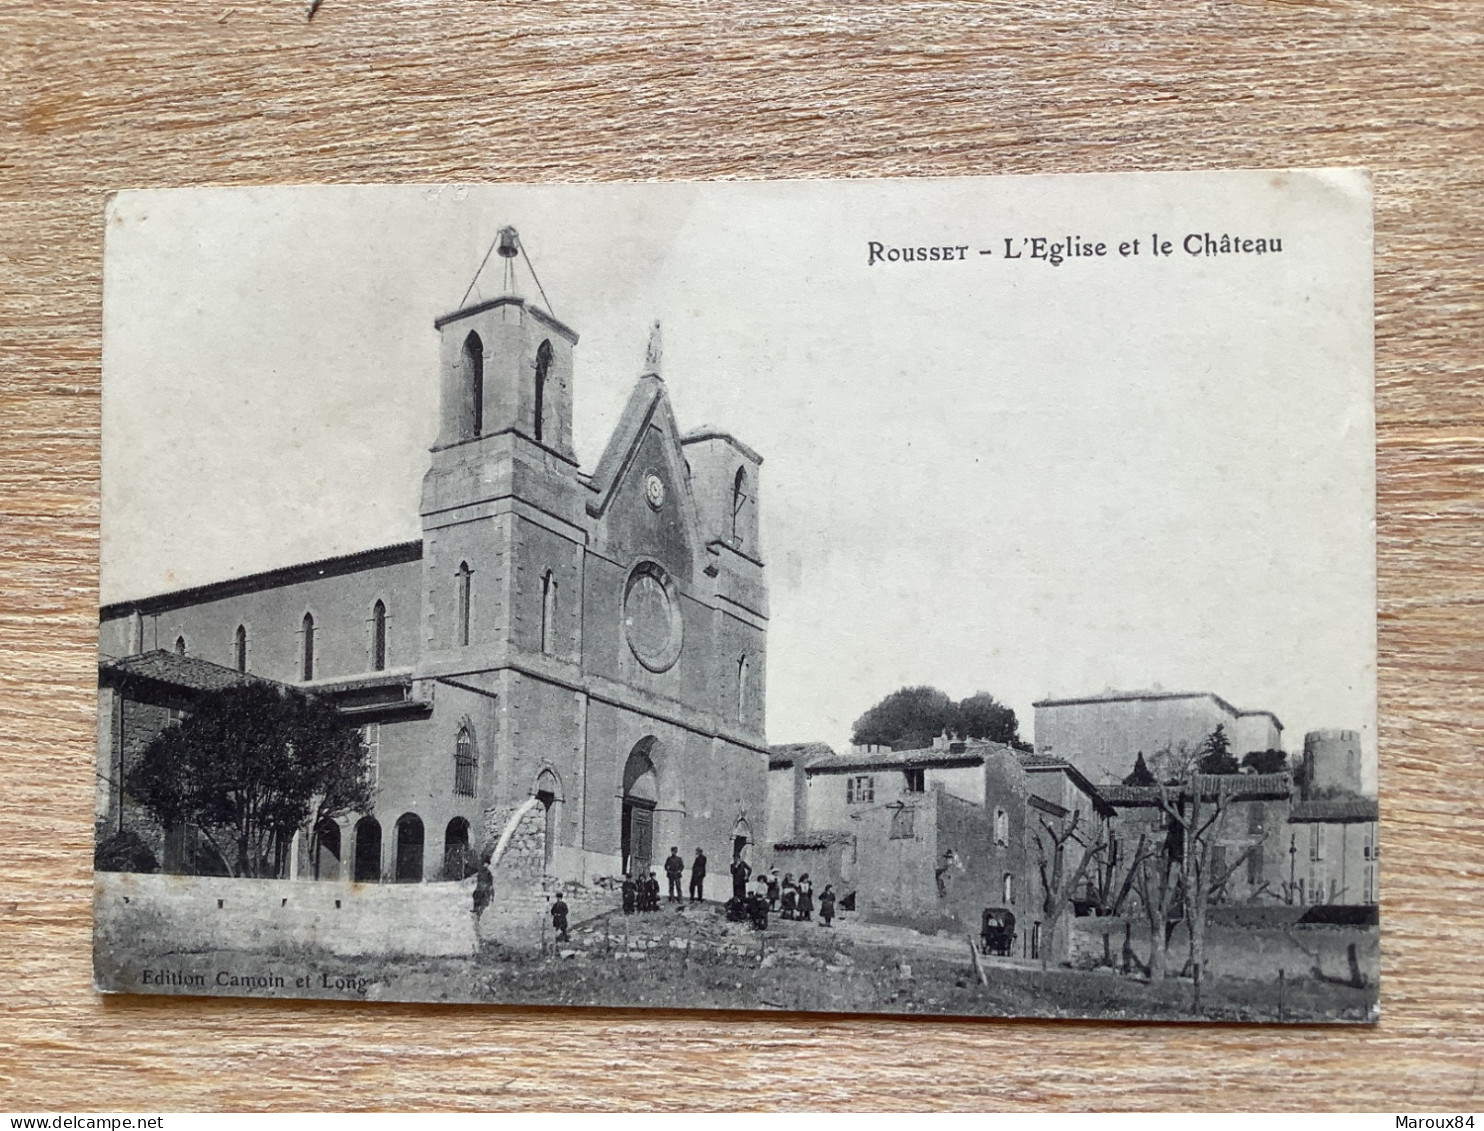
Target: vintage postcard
[{"x": 913, "y": 596}]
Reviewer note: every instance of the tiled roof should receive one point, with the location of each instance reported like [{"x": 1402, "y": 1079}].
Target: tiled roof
[
  {"x": 172, "y": 668},
  {"x": 1244, "y": 787},
  {"x": 824, "y": 838},
  {"x": 967, "y": 753},
  {"x": 268, "y": 579},
  {"x": 1340, "y": 810}
]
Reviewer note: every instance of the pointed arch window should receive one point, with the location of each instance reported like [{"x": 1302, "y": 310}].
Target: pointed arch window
[
  {"x": 543, "y": 368},
  {"x": 378, "y": 637},
  {"x": 548, "y": 611},
  {"x": 180, "y": 645},
  {"x": 308, "y": 644},
  {"x": 742, "y": 674},
  {"x": 465, "y": 576},
  {"x": 472, "y": 366},
  {"x": 239, "y": 647},
  {"x": 739, "y": 500},
  {"x": 465, "y": 765}
]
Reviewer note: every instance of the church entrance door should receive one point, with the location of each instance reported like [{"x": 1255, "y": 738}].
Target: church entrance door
[
  {"x": 638, "y": 835},
  {"x": 640, "y": 796}
]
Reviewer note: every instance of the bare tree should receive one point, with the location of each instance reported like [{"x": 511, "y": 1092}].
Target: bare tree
[
  {"x": 1194, "y": 811},
  {"x": 1057, "y": 881}
]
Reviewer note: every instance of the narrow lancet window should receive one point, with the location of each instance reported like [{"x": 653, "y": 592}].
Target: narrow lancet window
[
  {"x": 473, "y": 391},
  {"x": 543, "y": 367},
  {"x": 241, "y": 648},
  {"x": 739, "y": 500},
  {"x": 308, "y": 667},
  {"x": 378, "y": 637},
  {"x": 548, "y": 611},
  {"x": 464, "y": 577}
]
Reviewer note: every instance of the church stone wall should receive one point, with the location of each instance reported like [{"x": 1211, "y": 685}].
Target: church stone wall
[{"x": 340, "y": 602}]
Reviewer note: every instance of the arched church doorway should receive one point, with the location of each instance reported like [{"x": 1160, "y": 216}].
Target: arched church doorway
[
  {"x": 458, "y": 860},
  {"x": 549, "y": 793},
  {"x": 368, "y": 851},
  {"x": 327, "y": 850},
  {"x": 409, "y": 849},
  {"x": 640, "y": 795}
]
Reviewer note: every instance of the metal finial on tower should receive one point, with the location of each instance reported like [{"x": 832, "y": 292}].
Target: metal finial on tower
[
  {"x": 507, "y": 241},
  {"x": 653, "y": 351}
]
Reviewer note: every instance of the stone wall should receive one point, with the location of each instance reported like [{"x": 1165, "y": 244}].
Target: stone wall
[{"x": 141, "y": 915}]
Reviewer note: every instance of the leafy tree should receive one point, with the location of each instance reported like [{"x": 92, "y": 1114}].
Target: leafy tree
[
  {"x": 981, "y": 715},
  {"x": 906, "y": 719},
  {"x": 911, "y": 717},
  {"x": 1141, "y": 774},
  {"x": 1215, "y": 755},
  {"x": 124, "y": 851},
  {"x": 1266, "y": 761},
  {"x": 248, "y": 767}
]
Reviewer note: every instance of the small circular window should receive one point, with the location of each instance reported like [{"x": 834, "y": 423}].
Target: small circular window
[{"x": 651, "y": 617}]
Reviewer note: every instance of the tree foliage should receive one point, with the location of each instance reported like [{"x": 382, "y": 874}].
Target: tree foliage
[
  {"x": 1141, "y": 774},
  {"x": 911, "y": 717},
  {"x": 248, "y": 767},
  {"x": 1266, "y": 761},
  {"x": 1215, "y": 754}
]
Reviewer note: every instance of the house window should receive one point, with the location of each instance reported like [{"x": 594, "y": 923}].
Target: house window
[
  {"x": 901, "y": 822},
  {"x": 860, "y": 790},
  {"x": 307, "y": 672},
  {"x": 1007, "y": 890},
  {"x": 1001, "y": 828},
  {"x": 916, "y": 780},
  {"x": 1255, "y": 867},
  {"x": 240, "y": 648},
  {"x": 548, "y": 610},
  {"x": 543, "y": 366},
  {"x": 378, "y": 637},
  {"x": 371, "y": 749},
  {"x": 1255, "y": 819},
  {"x": 180, "y": 645},
  {"x": 465, "y": 767},
  {"x": 464, "y": 576},
  {"x": 1316, "y": 842}
]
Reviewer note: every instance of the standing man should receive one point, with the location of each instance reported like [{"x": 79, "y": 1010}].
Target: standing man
[
  {"x": 697, "y": 877},
  {"x": 740, "y": 872},
  {"x": 559, "y": 918},
  {"x": 674, "y": 869}
]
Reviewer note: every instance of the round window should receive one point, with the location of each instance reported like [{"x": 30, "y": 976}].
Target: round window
[{"x": 651, "y": 617}]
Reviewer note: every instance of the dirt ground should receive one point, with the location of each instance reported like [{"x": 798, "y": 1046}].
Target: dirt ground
[{"x": 696, "y": 959}]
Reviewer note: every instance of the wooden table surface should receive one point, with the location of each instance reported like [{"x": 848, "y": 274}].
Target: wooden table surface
[{"x": 99, "y": 96}]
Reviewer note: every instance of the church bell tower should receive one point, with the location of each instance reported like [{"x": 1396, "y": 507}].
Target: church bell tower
[{"x": 504, "y": 446}]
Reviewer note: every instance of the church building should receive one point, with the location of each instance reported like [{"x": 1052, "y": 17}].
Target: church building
[{"x": 589, "y": 648}]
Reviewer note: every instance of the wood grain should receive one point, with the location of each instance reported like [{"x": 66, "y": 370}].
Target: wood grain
[{"x": 99, "y": 96}]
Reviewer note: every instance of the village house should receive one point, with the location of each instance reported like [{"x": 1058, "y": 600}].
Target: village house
[{"x": 929, "y": 837}]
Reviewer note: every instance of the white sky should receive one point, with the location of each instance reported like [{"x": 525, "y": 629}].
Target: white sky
[{"x": 987, "y": 474}]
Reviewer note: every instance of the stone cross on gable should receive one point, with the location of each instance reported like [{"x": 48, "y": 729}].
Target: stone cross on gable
[{"x": 653, "y": 351}]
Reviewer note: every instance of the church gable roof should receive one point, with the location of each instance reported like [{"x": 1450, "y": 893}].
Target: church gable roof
[{"x": 647, "y": 411}]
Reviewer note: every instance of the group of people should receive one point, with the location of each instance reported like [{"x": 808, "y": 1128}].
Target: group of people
[
  {"x": 642, "y": 893},
  {"x": 756, "y": 897}
]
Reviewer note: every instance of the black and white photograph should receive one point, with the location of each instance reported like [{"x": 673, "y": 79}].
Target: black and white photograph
[{"x": 938, "y": 596}]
